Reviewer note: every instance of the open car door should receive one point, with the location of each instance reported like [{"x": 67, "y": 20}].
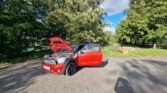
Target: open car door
[{"x": 90, "y": 55}]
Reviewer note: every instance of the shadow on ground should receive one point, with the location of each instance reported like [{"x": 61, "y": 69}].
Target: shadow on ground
[
  {"x": 103, "y": 64},
  {"x": 123, "y": 86},
  {"x": 146, "y": 76},
  {"x": 18, "y": 77}
]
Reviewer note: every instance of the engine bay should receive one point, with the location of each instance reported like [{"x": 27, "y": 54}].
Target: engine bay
[{"x": 58, "y": 57}]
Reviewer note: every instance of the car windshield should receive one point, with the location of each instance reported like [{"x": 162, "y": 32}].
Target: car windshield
[
  {"x": 64, "y": 51},
  {"x": 75, "y": 47}
]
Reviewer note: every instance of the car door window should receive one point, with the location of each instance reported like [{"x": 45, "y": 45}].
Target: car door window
[{"x": 91, "y": 48}]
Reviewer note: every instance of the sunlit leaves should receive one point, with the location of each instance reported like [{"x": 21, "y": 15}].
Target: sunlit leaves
[
  {"x": 76, "y": 19},
  {"x": 145, "y": 24}
]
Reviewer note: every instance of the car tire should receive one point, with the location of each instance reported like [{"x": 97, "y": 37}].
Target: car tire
[{"x": 71, "y": 68}]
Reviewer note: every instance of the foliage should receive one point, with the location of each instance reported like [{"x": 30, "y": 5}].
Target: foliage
[
  {"x": 145, "y": 24},
  {"x": 25, "y": 23},
  {"x": 19, "y": 28},
  {"x": 76, "y": 19},
  {"x": 109, "y": 38},
  {"x": 29, "y": 56}
]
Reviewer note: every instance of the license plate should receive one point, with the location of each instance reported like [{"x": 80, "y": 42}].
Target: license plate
[{"x": 46, "y": 67}]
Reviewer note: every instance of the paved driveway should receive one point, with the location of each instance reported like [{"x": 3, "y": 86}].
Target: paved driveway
[{"x": 118, "y": 75}]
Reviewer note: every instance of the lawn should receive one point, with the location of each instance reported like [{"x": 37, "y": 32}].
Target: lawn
[{"x": 108, "y": 52}]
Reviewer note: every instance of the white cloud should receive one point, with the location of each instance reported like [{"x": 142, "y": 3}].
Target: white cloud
[
  {"x": 112, "y": 29},
  {"x": 112, "y": 7}
]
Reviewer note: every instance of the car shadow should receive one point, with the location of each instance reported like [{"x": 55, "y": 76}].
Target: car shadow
[
  {"x": 103, "y": 64},
  {"x": 18, "y": 77},
  {"x": 123, "y": 86}
]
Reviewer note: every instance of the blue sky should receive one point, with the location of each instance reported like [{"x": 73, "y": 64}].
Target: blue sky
[
  {"x": 115, "y": 19},
  {"x": 115, "y": 12}
]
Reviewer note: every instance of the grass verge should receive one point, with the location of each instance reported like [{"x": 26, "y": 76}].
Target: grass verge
[{"x": 108, "y": 52}]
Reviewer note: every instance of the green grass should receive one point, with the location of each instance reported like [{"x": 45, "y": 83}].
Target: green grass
[{"x": 107, "y": 51}]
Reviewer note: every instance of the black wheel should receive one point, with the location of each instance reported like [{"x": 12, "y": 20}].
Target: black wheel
[{"x": 71, "y": 69}]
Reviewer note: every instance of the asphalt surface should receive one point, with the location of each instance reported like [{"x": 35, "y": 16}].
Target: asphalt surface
[{"x": 117, "y": 75}]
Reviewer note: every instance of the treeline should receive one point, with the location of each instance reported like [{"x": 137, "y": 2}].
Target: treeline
[
  {"x": 145, "y": 24},
  {"x": 24, "y": 23}
]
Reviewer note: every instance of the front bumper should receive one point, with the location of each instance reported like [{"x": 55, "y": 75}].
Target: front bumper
[{"x": 50, "y": 68}]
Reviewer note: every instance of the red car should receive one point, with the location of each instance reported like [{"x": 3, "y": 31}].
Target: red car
[{"x": 66, "y": 58}]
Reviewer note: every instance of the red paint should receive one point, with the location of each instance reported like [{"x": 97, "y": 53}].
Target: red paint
[
  {"x": 82, "y": 59},
  {"x": 53, "y": 68},
  {"x": 57, "y": 43},
  {"x": 89, "y": 59}
]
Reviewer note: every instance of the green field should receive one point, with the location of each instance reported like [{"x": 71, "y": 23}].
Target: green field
[{"x": 108, "y": 52}]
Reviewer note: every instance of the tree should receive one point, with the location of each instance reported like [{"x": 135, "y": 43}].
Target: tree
[
  {"x": 23, "y": 23},
  {"x": 19, "y": 28},
  {"x": 146, "y": 23},
  {"x": 76, "y": 19}
]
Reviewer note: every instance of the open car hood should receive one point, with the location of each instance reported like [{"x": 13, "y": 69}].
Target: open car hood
[{"x": 57, "y": 43}]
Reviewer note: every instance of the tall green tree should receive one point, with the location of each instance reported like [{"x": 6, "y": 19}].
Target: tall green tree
[
  {"x": 146, "y": 23},
  {"x": 19, "y": 28},
  {"x": 76, "y": 19},
  {"x": 23, "y": 23}
]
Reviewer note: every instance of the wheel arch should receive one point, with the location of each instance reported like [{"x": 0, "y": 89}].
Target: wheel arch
[{"x": 66, "y": 64}]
